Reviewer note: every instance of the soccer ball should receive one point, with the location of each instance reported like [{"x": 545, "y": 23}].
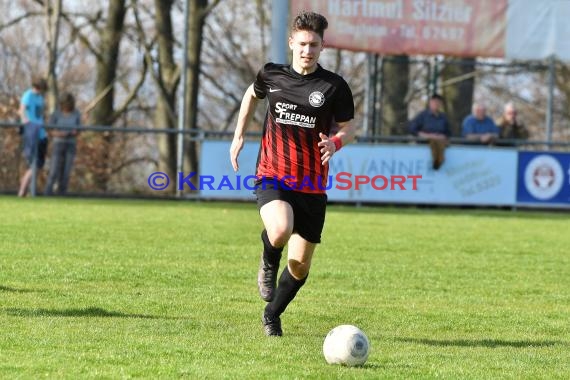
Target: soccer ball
[{"x": 346, "y": 345}]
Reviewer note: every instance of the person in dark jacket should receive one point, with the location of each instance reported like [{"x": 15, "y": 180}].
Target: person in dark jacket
[
  {"x": 433, "y": 125},
  {"x": 510, "y": 125}
]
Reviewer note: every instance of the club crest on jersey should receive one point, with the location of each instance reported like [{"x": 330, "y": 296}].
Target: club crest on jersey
[{"x": 316, "y": 99}]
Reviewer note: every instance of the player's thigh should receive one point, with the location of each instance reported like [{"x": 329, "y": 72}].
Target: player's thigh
[{"x": 278, "y": 218}]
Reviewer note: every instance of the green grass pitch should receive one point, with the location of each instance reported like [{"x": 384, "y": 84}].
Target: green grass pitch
[{"x": 158, "y": 289}]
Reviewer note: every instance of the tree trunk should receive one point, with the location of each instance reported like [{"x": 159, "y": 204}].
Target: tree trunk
[
  {"x": 107, "y": 62},
  {"x": 53, "y": 17},
  {"x": 195, "y": 29},
  {"x": 458, "y": 94},
  {"x": 168, "y": 79},
  {"x": 106, "y": 71},
  {"x": 395, "y": 83}
]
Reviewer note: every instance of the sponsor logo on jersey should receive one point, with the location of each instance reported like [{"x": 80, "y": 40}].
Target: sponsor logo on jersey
[
  {"x": 543, "y": 177},
  {"x": 285, "y": 116},
  {"x": 316, "y": 99}
]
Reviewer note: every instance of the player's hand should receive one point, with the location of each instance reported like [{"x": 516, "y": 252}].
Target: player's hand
[
  {"x": 235, "y": 149},
  {"x": 327, "y": 148}
]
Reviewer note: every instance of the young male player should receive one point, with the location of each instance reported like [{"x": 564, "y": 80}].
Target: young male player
[{"x": 304, "y": 101}]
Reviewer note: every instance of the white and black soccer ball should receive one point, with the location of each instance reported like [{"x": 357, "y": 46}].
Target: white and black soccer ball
[{"x": 346, "y": 345}]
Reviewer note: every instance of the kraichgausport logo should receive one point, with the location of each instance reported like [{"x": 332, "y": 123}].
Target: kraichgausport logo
[
  {"x": 544, "y": 177},
  {"x": 341, "y": 181}
]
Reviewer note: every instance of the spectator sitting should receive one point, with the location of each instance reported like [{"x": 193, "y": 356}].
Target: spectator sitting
[
  {"x": 64, "y": 146},
  {"x": 509, "y": 126},
  {"x": 479, "y": 127},
  {"x": 433, "y": 125}
]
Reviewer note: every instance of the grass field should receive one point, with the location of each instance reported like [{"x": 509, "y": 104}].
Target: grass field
[{"x": 158, "y": 289}]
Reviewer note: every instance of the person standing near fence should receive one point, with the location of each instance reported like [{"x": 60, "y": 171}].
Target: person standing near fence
[
  {"x": 64, "y": 144},
  {"x": 32, "y": 108}
]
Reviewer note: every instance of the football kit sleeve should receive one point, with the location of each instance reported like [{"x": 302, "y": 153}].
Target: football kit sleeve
[
  {"x": 260, "y": 86},
  {"x": 343, "y": 104}
]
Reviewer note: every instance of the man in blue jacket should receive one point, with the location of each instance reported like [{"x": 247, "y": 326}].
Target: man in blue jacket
[
  {"x": 478, "y": 127},
  {"x": 433, "y": 125}
]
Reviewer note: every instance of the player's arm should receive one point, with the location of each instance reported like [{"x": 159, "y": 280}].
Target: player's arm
[
  {"x": 246, "y": 111},
  {"x": 329, "y": 146}
]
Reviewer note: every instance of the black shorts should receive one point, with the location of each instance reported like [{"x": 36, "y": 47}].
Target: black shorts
[{"x": 308, "y": 209}]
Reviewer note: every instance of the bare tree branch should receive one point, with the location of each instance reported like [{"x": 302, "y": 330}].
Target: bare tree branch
[
  {"x": 248, "y": 70},
  {"x": 210, "y": 7},
  {"x": 132, "y": 161},
  {"x": 219, "y": 86},
  {"x": 230, "y": 117},
  {"x": 101, "y": 95},
  {"x": 132, "y": 95},
  {"x": 19, "y": 19},
  {"x": 76, "y": 32},
  {"x": 149, "y": 61}
]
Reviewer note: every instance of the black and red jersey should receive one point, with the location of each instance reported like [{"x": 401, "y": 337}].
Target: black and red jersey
[{"x": 300, "y": 107}]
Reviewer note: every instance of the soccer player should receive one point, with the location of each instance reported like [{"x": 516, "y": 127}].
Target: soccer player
[{"x": 305, "y": 100}]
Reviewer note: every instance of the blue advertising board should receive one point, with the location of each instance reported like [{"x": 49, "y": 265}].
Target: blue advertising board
[
  {"x": 470, "y": 175},
  {"x": 543, "y": 178}
]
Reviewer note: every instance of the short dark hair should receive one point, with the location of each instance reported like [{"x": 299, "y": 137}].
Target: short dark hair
[
  {"x": 67, "y": 102},
  {"x": 310, "y": 21},
  {"x": 436, "y": 97},
  {"x": 39, "y": 83}
]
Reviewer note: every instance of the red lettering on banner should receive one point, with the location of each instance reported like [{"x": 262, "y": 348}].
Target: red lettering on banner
[
  {"x": 340, "y": 179},
  {"x": 398, "y": 180}
]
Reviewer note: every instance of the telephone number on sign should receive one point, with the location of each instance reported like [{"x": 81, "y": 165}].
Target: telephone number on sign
[{"x": 430, "y": 32}]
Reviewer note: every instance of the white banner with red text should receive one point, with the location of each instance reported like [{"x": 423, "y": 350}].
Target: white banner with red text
[{"x": 514, "y": 29}]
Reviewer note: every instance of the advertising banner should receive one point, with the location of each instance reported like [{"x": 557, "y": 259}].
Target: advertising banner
[
  {"x": 470, "y": 175},
  {"x": 538, "y": 29},
  {"x": 452, "y": 27},
  {"x": 389, "y": 174},
  {"x": 544, "y": 178},
  {"x": 514, "y": 29}
]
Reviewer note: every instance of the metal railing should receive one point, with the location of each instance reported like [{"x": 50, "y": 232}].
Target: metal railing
[{"x": 199, "y": 135}]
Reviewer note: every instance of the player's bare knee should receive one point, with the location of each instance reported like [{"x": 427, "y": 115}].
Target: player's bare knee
[
  {"x": 298, "y": 269},
  {"x": 278, "y": 235}
]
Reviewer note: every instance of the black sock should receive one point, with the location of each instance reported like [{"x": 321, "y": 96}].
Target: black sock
[
  {"x": 271, "y": 254},
  {"x": 286, "y": 290}
]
